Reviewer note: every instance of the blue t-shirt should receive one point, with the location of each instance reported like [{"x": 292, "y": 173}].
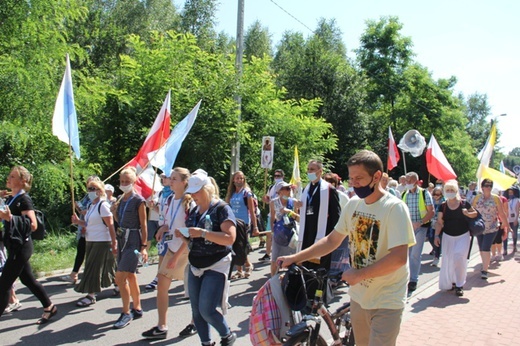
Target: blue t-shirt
[{"x": 238, "y": 205}]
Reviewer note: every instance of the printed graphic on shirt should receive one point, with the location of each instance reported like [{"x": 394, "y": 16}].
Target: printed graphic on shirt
[{"x": 363, "y": 239}]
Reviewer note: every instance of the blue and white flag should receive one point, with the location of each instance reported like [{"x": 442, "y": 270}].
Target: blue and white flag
[
  {"x": 165, "y": 157},
  {"x": 64, "y": 121}
]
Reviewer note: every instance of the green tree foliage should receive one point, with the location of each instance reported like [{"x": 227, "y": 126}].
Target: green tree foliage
[
  {"x": 383, "y": 55},
  {"x": 402, "y": 94},
  {"x": 291, "y": 122},
  {"x": 477, "y": 112},
  {"x": 317, "y": 68},
  {"x": 198, "y": 18},
  {"x": 257, "y": 42}
]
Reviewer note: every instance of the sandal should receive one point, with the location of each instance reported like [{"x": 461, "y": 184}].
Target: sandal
[
  {"x": 249, "y": 270},
  {"x": 238, "y": 275},
  {"x": 69, "y": 279},
  {"x": 86, "y": 301},
  {"x": 47, "y": 315}
]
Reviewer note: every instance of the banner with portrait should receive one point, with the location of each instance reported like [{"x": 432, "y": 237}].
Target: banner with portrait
[{"x": 267, "y": 152}]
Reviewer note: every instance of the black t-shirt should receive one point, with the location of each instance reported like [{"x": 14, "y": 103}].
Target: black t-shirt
[
  {"x": 455, "y": 223},
  {"x": 18, "y": 204}
]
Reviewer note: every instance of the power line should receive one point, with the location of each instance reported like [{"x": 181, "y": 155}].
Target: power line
[{"x": 293, "y": 17}]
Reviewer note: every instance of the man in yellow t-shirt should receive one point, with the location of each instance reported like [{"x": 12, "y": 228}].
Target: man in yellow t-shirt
[{"x": 380, "y": 232}]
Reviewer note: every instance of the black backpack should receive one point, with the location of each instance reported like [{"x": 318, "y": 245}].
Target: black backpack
[
  {"x": 41, "y": 231},
  {"x": 241, "y": 246}
]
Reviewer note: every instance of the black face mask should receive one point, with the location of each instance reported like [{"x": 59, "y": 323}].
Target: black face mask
[{"x": 365, "y": 191}]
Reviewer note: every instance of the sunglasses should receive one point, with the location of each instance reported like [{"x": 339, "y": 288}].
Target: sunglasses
[
  {"x": 487, "y": 185},
  {"x": 91, "y": 188},
  {"x": 277, "y": 176},
  {"x": 436, "y": 194}
]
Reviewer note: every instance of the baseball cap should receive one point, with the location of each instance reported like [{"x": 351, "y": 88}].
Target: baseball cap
[
  {"x": 200, "y": 171},
  {"x": 109, "y": 187},
  {"x": 281, "y": 185},
  {"x": 197, "y": 182}
]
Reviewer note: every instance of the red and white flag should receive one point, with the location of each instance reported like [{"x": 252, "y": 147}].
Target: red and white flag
[
  {"x": 156, "y": 138},
  {"x": 436, "y": 162},
  {"x": 393, "y": 152}
]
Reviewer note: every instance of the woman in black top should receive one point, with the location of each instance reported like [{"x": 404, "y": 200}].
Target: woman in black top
[
  {"x": 210, "y": 236},
  {"x": 451, "y": 220},
  {"x": 19, "y": 222}
]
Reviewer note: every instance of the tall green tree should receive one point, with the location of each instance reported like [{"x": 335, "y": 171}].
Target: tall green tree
[
  {"x": 317, "y": 67},
  {"x": 477, "y": 113},
  {"x": 383, "y": 55},
  {"x": 257, "y": 41},
  {"x": 198, "y": 18}
]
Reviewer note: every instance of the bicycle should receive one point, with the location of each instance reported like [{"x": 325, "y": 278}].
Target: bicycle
[{"x": 307, "y": 331}]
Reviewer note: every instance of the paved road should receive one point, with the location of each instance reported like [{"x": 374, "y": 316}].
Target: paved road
[{"x": 93, "y": 325}]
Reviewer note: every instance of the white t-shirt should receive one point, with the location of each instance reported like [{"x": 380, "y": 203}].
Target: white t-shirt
[
  {"x": 163, "y": 205},
  {"x": 373, "y": 230},
  {"x": 96, "y": 228},
  {"x": 176, "y": 212},
  {"x": 512, "y": 216}
]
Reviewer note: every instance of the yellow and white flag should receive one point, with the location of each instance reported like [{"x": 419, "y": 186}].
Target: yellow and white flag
[
  {"x": 295, "y": 179},
  {"x": 500, "y": 180}
]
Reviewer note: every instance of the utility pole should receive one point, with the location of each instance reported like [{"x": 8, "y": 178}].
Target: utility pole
[{"x": 235, "y": 149}]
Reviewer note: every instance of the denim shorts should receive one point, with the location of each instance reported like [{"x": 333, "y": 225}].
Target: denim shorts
[{"x": 485, "y": 241}]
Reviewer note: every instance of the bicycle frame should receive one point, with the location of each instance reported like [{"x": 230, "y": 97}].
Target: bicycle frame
[{"x": 308, "y": 329}]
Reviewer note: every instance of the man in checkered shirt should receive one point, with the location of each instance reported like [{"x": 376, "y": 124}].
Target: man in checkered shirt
[{"x": 420, "y": 204}]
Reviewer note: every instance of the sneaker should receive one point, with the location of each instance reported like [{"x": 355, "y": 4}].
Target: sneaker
[
  {"x": 123, "y": 321},
  {"x": 459, "y": 292},
  {"x": 266, "y": 257},
  {"x": 13, "y": 307},
  {"x": 155, "y": 333},
  {"x": 136, "y": 314},
  {"x": 500, "y": 258},
  {"x": 484, "y": 275},
  {"x": 228, "y": 340},
  {"x": 435, "y": 262},
  {"x": 188, "y": 331},
  {"x": 152, "y": 285},
  {"x": 412, "y": 286}
]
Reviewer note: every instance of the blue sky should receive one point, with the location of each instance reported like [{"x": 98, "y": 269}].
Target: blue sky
[{"x": 476, "y": 41}]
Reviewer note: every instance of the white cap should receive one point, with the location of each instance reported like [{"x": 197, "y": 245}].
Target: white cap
[
  {"x": 109, "y": 187},
  {"x": 200, "y": 171},
  {"x": 197, "y": 182},
  {"x": 281, "y": 185}
]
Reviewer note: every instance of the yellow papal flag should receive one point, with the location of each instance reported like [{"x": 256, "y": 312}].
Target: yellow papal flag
[{"x": 295, "y": 179}]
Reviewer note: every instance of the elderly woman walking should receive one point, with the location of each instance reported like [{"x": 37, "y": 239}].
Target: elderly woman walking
[
  {"x": 451, "y": 221},
  {"x": 490, "y": 206},
  {"x": 101, "y": 245}
]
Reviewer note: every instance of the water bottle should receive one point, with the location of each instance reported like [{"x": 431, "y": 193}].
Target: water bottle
[
  {"x": 208, "y": 225},
  {"x": 2, "y": 204},
  {"x": 286, "y": 221},
  {"x": 140, "y": 258}
]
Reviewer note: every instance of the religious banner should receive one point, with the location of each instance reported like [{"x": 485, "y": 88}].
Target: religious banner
[{"x": 267, "y": 152}]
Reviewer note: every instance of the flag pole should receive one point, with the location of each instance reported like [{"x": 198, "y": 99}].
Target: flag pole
[
  {"x": 71, "y": 179},
  {"x": 153, "y": 181},
  {"x": 404, "y": 160},
  {"x": 120, "y": 168},
  {"x": 265, "y": 186}
]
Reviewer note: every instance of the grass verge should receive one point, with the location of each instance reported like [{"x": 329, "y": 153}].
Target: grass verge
[{"x": 58, "y": 251}]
